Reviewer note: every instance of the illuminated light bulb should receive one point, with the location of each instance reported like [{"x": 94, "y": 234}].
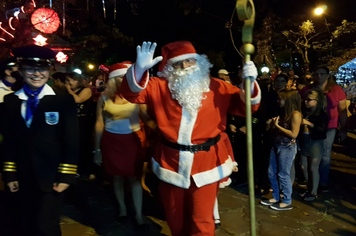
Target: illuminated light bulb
[
  {"x": 78, "y": 71},
  {"x": 61, "y": 57},
  {"x": 40, "y": 40}
]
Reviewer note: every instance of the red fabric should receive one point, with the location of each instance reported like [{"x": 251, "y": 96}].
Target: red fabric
[
  {"x": 123, "y": 153},
  {"x": 117, "y": 66},
  {"x": 225, "y": 138},
  {"x": 333, "y": 97},
  {"x": 189, "y": 212},
  {"x": 222, "y": 98}
]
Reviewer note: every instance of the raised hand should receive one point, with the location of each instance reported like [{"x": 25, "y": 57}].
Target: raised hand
[
  {"x": 144, "y": 60},
  {"x": 249, "y": 71}
]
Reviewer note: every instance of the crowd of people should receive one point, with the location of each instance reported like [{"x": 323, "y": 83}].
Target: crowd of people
[
  {"x": 54, "y": 135},
  {"x": 294, "y": 129}
]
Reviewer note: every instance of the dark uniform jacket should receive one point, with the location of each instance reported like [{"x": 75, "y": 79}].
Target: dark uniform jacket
[{"x": 45, "y": 152}]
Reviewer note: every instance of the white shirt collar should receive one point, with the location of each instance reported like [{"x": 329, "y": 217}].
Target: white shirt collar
[
  {"x": 3, "y": 86},
  {"x": 47, "y": 90}
]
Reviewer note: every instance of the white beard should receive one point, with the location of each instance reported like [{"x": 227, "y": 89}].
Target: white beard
[{"x": 188, "y": 86}]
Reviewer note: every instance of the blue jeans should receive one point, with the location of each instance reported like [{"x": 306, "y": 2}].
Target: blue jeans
[
  {"x": 280, "y": 163},
  {"x": 324, "y": 166}
]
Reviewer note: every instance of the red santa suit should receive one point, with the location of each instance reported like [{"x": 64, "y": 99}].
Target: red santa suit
[
  {"x": 189, "y": 208},
  {"x": 176, "y": 167}
]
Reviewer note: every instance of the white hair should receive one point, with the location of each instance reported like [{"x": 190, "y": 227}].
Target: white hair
[{"x": 188, "y": 85}]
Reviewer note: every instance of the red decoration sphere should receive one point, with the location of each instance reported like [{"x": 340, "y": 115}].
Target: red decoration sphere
[{"x": 45, "y": 20}]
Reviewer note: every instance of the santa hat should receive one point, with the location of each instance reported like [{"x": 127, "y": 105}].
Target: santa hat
[
  {"x": 119, "y": 69},
  {"x": 176, "y": 51}
]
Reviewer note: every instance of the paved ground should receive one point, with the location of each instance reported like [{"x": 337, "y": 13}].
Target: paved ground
[{"x": 90, "y": 208}]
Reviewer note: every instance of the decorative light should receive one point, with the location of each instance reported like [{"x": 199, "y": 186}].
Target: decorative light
[
  {"x": 265, "y": 69},
  {"x": 45, "y": 20},
  {"x": 91, "y": 66},
  {"x": 78, "y": 71},
  {"x": 10, "y": 20},
  {"x": 40, "y": 40},
  {"x": 5, "y": 30},
  {"x": 13, "y": 12},
  {"x": 2, "y": 39},
  {"x": 61, "y": 57},
  {"x": 319, "y": 11}
]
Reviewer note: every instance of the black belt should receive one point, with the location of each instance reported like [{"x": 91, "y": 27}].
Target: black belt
[{"x": 192, "y": 148}]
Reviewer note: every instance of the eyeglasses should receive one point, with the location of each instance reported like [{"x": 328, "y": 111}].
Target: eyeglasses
[
  {"x": 309, "y": 99},
  {"x": 188, "y": 62},
  {"x": 32, "y": 70}
]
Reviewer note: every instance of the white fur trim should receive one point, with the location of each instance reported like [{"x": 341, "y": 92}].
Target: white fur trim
[
  {"x": 255, "y": 100},
  {"x": 118, "y": 73},
  {"x": 169, "y": 176},
  {"x": 213, "y": 175},
  {"x": 131, "y": 80},
  {"x": 200, "y": 179},
  {"x": 185, "y": 138},
  {"x": 181, "y": 57},
  {"x": 225, "y": 184}
]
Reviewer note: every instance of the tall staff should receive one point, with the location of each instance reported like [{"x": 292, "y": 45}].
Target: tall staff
[{"x": 246, "y": 12}]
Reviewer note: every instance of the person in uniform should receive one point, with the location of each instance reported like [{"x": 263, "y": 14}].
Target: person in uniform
[
  {"x": 40, "y": 147},
  {"x": 190, "y": 108}
]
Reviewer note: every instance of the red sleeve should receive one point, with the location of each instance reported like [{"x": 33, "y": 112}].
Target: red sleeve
[{"x": 340, "y": 93}]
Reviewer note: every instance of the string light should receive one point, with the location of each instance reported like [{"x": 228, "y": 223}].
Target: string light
[
  {"x": 5, "y": 30},
  {"x": 10, "y": 20}
]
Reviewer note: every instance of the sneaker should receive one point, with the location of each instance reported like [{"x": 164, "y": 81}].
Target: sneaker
[
  {"x": 309, "y": 197},
  {"x": 268, "y": 202},
  {"x": 277, "y": 207},
  {"x": 304, "y": 194},
  {"x": 323, "y": 188}
]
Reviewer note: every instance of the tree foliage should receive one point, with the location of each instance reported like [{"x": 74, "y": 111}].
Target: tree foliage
[{"x": 302, "y": 39}]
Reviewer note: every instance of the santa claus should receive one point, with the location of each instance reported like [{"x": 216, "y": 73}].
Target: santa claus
[{"x": 190, "y": 108}]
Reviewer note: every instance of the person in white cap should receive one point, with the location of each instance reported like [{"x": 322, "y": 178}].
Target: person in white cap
[
  {"x": 224, "y": 75},
  {"x": 190, "y": 110}
]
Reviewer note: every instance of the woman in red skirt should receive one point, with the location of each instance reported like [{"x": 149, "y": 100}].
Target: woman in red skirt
[{"x": 120, "y": 141}]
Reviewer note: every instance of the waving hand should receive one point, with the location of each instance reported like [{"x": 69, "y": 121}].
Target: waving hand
[{"x": 145, "y": 60}]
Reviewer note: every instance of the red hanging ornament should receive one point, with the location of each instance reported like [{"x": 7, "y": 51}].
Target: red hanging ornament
[{"x": 45, "y": 20}]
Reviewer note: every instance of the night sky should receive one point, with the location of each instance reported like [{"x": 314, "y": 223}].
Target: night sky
[{"x": 164, "y": 21}]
